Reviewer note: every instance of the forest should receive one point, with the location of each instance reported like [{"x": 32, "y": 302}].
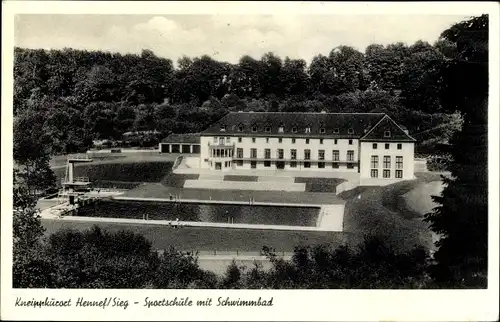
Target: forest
[
  {"x": 65, "y": 99},
  {"x": 79, "y": 96}
]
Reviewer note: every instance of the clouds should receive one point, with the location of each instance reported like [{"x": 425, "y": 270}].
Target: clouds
[{"x": 225, "y": 37}]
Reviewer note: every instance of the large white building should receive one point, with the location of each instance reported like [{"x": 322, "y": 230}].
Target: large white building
[{"x": 371, "y": 144}]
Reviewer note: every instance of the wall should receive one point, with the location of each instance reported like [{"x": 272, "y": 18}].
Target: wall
[
  {"x": 407, "y": 152},
  {"x": 300, "y": 145}
]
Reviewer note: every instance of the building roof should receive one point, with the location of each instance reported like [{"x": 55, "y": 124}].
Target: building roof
[
  {"x": 321, "y": 125},
  {"x": 192, "y": 138}
]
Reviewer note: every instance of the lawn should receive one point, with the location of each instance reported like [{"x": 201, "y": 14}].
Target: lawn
[
  {"x": 384, "y": 211},
  {"x": 241, "y": 178},
  {"x": 210, "y": 239},
  {"x": 320, "y": 184},
  {"x": 127, "y": 172}
]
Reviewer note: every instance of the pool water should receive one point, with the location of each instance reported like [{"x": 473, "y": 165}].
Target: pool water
[{"x": 265, "y": 215}]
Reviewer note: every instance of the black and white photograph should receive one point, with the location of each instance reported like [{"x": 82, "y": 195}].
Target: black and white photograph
[{"x": 247, "y": 151}]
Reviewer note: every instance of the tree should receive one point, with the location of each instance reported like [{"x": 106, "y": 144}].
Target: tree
[
  {"x": 346, "y": 71},
  {"x": 461, "y": 218},
  {"x": 270, "y": 77},
  {"x": 232, "y": 278},
  {"x": 420, "y": 81},
  {"x": 293, "y": 77}
]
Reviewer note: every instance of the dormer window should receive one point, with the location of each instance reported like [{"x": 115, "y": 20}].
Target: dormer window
[
  {"x": 281, "y": 129},
  {"x": 322, "y": 130},
  {"x": 254, "y": 128},
  {"x": 294, "y": 129},
  {"x": 387, "y": 134},
  {"x": 223, "y": 127},
  {"x": 308, "y": 129},
  {"x": 240, "y": 128},
  {"x": 350, "y": 131},
  {"x": 267, "y": 129},
  {"x": 336, "y": 130}
]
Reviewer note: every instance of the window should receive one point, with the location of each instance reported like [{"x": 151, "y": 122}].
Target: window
[
  {"x": 374, "y": 173},
  {"x": 320, "y": 141},
  {"x": 307, "y": 154},
  {"x": 350, "y": 142},
  {"x": 335, "y": 155},
  {"x": 253, "y": 140},
  {"x": 387, "y": 134},
  {"x": 253, "y": 153},
  {"x": 335, "y": 165},
  {"x": 386, "y": 173},
  {"x": 350, "y": 155},
  {"x": 321, "y": 154},
  {"x": 307, "y": 164},
  {"x": 267, "y": 164},
  {"x": 293, "y": 164},
  {"x": 293, "y": 140},
  {"x": 221, "y": 141},
  {"x": 350, "y": 131},
  {"x": 254, "y": 128},
  {"x": 336, "y": 130},
  {"x": 350, "y": 166},
  {"x": 294, "y": 129},
  {"x": 322, "y": 130},
  {"x": 308, "y": 130},
  {"x": 267, "y": 129},
  {"x": 387, "y": 162},
  {"x": 374, "y": 145},
  {"x": 239, "y": 153},
  {"x": 215, "y": 139},
  {"x": 321, "y": 165},
  {"x": 293, "y": 154},
  {"x": 280, "y": 140},
  {"x": 399, "y": 162},
  {"x": 239, "y": 140},
  {"x": 335, "y": 141},
  {"x": 267, "y": 140},
  {"x": 374, "y": 161},
  {"x": 239, "y": 163},
  {"x": 223, "y": 127},
  {"x": 307, "y": 141},
  {"x": 399, "y": 174},
  {"x": 267, "y": 153},
  {"x": 281, "y": 129},
  {"x": 253, "y": 164},
  {"x": 228, "y": 139},
  {"x": 387, "y": 146},
  {"x": 240, "y": 128},
  {"x": 280, "y": 153},
  {"x": 400, "y": 146}
]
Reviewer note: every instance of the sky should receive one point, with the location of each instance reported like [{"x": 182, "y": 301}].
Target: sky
[{"x": 225, "y": 37}]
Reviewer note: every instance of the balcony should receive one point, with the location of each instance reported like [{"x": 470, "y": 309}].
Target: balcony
[{"x": 225, "y": 145}]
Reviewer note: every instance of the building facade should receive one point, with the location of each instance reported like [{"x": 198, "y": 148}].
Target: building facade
[{"x": 371, "y": 144}]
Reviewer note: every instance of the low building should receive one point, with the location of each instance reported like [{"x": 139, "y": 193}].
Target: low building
[
  {"x": 188, "y": 143},
  {"x": 372, "y": 144}
]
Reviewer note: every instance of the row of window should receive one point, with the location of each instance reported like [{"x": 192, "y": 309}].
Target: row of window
[
  {"x": 387, "y": 146},
  {"x": 293, "y": 164},
  {"x": 281, "y": 129},
  {"x": 386, "y": 173},
  {"x": 387, "y": 162},
  {"x": 293, "y": 154},
  {"x": 222, "y": 140}
]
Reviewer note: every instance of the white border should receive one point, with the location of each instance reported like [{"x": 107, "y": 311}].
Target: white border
[{"x": 303, "y": 305}]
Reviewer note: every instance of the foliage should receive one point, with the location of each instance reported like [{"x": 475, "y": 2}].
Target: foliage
[
  {"x": 461, "y": 219},
  {"x": 81, "y": 96}
]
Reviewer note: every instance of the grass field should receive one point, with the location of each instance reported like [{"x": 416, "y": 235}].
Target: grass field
[
  {"x": 209, "y": 239},
  {"x": 152, "y": 171},
  {"x": 320, "y": 184},
  {"x": 384, "y": 211}
]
